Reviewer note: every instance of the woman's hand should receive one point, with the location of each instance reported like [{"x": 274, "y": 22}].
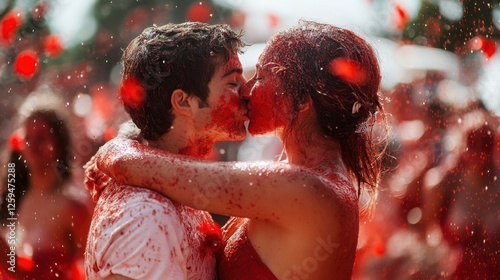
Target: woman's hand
[
  {"x": 95, "y": 180},
  {"x": 104, "y": 167}
]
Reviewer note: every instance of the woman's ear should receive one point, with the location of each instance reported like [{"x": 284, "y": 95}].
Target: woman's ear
[{"x": 181, "y": 103}]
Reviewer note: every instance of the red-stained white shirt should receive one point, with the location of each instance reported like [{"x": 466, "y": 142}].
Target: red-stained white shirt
[{"x": 141, "y": 234}]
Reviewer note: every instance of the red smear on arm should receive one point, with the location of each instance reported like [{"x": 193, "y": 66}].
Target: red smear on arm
[
  {"x": 348, "y": 70},
  {"x": 224, "y": 118}
]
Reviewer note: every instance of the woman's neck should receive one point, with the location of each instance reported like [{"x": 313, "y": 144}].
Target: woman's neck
[{"x": 313, "y": 152}]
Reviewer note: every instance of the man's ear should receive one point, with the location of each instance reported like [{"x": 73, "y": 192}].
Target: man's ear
[{"x": 182, "y": 102}]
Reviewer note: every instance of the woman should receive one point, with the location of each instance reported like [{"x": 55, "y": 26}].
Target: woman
[
  {"x": 51, "y": 228},
  {"x": 316, "y": 87}
]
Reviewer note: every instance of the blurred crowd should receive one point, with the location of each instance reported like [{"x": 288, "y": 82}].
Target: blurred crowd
[{"x": 438, "y": 212}]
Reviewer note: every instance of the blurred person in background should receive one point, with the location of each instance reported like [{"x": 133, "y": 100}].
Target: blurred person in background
[
  {"x": 419, "y": 126},
  {"x": 301, "y": 217},
  {"x": 52, "y": 225},
  {"x": 462, "y": 205}
]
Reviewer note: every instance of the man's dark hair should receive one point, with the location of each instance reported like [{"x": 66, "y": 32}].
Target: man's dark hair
[{"x": 169, "y": 57}]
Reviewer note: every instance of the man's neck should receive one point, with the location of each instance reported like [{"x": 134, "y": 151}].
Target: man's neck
[{"x": 184, "y": 141}]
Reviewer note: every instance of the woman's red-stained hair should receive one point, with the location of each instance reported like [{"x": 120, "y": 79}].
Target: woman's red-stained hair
[{"x": 338, "y": 72}]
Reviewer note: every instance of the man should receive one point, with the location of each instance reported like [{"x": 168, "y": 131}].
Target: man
[{"x": 180, "y": 87}]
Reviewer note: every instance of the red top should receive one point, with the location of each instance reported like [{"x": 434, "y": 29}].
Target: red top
[{"x": 239, "y": 260}]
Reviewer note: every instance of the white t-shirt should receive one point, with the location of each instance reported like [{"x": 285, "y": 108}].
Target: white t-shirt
[{"x": 140, "y": 234}]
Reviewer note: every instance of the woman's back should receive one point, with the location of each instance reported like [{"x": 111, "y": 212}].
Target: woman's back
[{"x": 316, "y": 245}]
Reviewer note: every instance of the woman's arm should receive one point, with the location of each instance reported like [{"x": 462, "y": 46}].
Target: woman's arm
[{"x": 266, "y": 191}]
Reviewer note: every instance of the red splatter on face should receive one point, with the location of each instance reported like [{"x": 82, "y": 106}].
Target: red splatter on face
[
  {"x": 132, "y": 92},
  {"x": 348, "y": 70},
  {"x": 200, "y": 12},
  {"x": 52, "y": 46},
  {"x": 9, "y": 25},
  {"x": 267, "y": 105},
  {"x": 26, "y": 64},
  {"x": 224, "y": 117}
]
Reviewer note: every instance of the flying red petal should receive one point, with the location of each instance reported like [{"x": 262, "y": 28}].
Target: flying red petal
[
  {"x": 199, "y": 12},
  {"x": 26, "y": 64}
]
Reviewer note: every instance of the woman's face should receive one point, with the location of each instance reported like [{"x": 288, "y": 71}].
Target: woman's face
[
  {"x": 268, "y": 108},
  {"x": 41, "y": 145}
]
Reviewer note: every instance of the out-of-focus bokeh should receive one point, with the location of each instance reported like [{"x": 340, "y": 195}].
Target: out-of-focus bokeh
[{"x": 438, "y": 214}]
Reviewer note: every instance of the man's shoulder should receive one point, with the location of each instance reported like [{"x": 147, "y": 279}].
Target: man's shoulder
[
  {"x": 125, "y": 194},
  {"x": 128, "y": 202}
]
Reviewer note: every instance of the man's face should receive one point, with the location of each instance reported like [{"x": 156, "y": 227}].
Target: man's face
[{"x": 223, "y": 119}]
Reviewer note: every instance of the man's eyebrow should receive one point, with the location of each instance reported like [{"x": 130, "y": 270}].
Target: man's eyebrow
[{"x": 233, "y": 70}]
